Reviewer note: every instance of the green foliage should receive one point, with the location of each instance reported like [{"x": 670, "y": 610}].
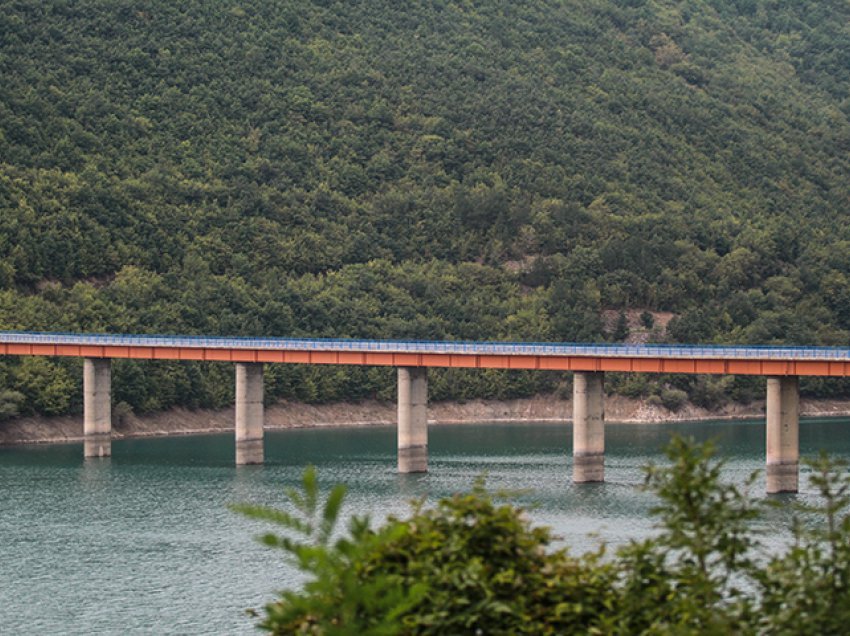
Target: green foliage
[
  {"x": 470, "y": 565},
  {"x": 483, "y": 569},
  {"x": 10, "y": 403},
  {"x": 673, "y": 399},
  {"x": 812, "y": 580},
  {"x": 338, "y": 599},
  {"x": 47, "y": 386},
  {"x": 467, "y": 566},
  {"x": 493, "y": 170},
  {"x": 705, "y": 545},
  {"x": 621, "y": 328}
]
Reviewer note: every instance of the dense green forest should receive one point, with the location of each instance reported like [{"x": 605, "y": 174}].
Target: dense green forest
[{"x": 478, "y": 169}]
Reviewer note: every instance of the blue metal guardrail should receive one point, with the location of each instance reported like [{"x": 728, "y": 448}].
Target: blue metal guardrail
[{"x": 754, "y": 352}]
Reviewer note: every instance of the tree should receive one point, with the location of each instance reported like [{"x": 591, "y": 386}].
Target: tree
[
  {"x": 621, "y": 328},
  {"x": 48, "y": 387},
  {"x": 10, "y": 403},
  {"x": 604, "y": 153},
  {"x": 470, "y": 565},
  {"x": 812, "y": 579},
  {"x": 696, "y": 566}
]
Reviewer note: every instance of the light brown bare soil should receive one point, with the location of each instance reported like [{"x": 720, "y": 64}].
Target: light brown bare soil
[{"x": 618, "y": 410}]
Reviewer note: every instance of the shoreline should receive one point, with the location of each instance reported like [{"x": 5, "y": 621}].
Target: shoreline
[{"x": 289, "y": 415}]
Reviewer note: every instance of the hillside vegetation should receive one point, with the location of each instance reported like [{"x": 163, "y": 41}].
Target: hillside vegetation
[{"x": 479, "y": 169}]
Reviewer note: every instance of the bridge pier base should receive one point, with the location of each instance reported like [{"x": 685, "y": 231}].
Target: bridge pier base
[
  {"x": 588, "y": 427},
  {"x": 97, "y": 407},
  {"x": 412, "y": 420},
  {"x": 249, "y": 413},
  {"x": 783, "y": 434}
]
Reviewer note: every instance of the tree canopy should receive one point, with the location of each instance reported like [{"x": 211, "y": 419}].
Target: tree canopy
[{"x": 481, "y": 170}]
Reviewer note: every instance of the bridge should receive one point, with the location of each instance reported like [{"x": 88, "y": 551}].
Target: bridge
[{"x": 782, "y": 366}]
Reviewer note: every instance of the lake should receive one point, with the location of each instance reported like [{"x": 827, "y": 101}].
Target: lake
[{"x": 143, "y": 542}]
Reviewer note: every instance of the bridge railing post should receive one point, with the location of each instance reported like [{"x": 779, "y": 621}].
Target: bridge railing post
[
  {"x": 412, "y": 420},
  {"x": 588, "y": 427}
]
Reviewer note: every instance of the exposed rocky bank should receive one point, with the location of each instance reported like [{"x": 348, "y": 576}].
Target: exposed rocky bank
[{"x": 618, "y": 410}]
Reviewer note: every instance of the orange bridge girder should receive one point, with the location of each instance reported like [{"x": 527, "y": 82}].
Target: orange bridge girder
[{"x": 625, "y": 363}]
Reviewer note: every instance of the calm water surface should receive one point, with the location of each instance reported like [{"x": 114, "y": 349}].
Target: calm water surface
[{"x": 143, "y": 543}]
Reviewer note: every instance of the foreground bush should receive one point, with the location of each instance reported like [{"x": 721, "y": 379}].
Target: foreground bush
[{"x": 471, "y": 565}]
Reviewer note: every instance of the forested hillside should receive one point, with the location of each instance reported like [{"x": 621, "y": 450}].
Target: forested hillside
[{"x": 481, "y": 169}]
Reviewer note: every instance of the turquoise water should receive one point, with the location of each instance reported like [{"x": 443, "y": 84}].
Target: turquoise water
[{"x": 143, "y": 543}]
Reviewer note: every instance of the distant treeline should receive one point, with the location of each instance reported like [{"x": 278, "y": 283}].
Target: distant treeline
[{"x": 440, "y": 170}]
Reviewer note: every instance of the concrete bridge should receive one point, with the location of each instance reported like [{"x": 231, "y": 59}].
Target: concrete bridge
[{"x": 781, "y": 366}]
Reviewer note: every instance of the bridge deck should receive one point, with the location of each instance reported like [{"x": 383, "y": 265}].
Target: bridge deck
[{"x": 653, "y": 358}]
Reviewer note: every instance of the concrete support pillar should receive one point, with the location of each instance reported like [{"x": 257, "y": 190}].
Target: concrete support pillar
[
  {"x": 783, "y": 434},
  {"x": 97, "y": 407},
  {"x": 412, "y": 420},
  {"x": 588, "y": 427},
  {"x": 249, "y": 413}
]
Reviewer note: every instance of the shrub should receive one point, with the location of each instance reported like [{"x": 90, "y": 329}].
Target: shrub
[
  {"x": 812, "y": 579},
  {"x": 10, "y": 403},
  {"x": 470, "y": 565},
  {"x": 673, "y": 399},
  {"x": 647, "y": 320},
  {"x": 466, "y": 566}
]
